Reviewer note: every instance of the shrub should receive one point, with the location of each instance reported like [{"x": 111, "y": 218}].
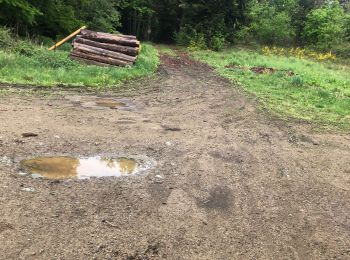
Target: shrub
[
  {"x": 342, "y": 50},
  {"x": 25, "y": 48},
  {"x": 244, "y": 34},
  {"x": 188, "y": 36},
  {"x": 325, "y": 26},
  {"x": 185, "y": 35},
  {"x": 297, "y": 81},
  {"x": 53, "y": 59},
  {"x": 46, "y": 41},
  {"x": 269, "y": 25},
  {"x": 198, "y": 42},
  {"x": 217, "y": 42},
  {"x": 6, "y": 40}
]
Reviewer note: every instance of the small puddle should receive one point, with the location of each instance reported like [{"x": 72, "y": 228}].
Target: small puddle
[
  {"x": 102, "y": 102},
  {"x": 65, "y": 167},
  {"x": 113, "y": 104}
]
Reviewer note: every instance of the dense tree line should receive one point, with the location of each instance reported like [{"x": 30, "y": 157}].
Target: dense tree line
[{"x": 322, "y": 24}]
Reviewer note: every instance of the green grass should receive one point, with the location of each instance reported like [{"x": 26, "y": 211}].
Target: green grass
[
  {"x": 166, "y": 49},
  {"x": 318, "y": 92},
  {"x": 23, "y": 62}
]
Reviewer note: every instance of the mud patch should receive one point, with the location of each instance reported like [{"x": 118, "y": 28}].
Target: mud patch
[
  {"x": 219, "y": 198},
  {"x": 260, "y": 70},
  {"x": 4, "y": 226},
  {"x": 65, "y": 167},
  {"x": 102, "y": 102}
]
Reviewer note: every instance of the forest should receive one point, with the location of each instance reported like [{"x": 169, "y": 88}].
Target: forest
[{"x": 319, "y": 24}]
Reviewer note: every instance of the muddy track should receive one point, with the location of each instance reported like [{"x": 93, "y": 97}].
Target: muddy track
[{"x": 236, "y": 183}]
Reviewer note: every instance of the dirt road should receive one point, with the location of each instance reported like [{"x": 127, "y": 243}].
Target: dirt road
[{"x": 231, "y": 182}]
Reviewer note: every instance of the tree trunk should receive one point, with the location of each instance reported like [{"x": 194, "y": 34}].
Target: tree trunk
[
  {"x": 102, "y": 52},
  {"x": 132, "y": 51},
  {"x": 101, "y": 59},
  {"x": 130, "y": 37},
  {"x": 90, "y": 62},
  {"x": 114, "y": 39}
]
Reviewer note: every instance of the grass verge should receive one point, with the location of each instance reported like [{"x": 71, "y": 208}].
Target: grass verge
[
  {"x": 23, "y": 62},
  {"x": 298, "y": 88},
  {"x": 166, "y": 49}
]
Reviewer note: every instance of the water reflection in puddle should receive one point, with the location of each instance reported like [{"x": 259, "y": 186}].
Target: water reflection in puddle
[
  {"x": 102, "y": 102},
  {"x": 65, "y": 167}
]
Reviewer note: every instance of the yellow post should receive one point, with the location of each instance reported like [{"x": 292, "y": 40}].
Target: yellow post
[{"x": 67, "y": 38}]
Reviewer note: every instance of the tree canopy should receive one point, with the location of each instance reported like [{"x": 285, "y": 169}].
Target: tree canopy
[{"x": 210, "y": 23}]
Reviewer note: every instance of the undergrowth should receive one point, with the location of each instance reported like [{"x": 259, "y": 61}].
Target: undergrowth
[
  {"x": 24, "y": 62},
  {"x": 297, "y": 88}
]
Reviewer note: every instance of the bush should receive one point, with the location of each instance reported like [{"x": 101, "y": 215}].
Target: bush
[
  {"x": 53, "y": 59},
  {"x": 6, "y": 40},
  {"x": 342, "y": 50},
  {"x": 325, "y": 26},
  {"x": 185, "y": 35},
  {"x": 198, "y": 42},
  {"x": 46, "y": 41},
  {"x": 244, "y": 34},
  {"x": 25, "y": 48},
  {"x": 297, "y": 81},
  {"x": 269, "y": 25},
  {"x": 217, "y": 42}
]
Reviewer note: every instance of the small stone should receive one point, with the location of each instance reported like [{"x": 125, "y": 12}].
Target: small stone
[
  {"x": 57, "y": 136},
  {"x": 28, "y": 189},
  {"x": 159, "y": 177},
  {"x": 5, "y": 160},
  {"x": 22, "y": 173},
  {"x": 29, "y": 135},
  {"x": 169, "y": 143},
  {"x": 315, "y": 142},
  {"x": 19, "y": 141},
  {"x": 36, "y": 176}
]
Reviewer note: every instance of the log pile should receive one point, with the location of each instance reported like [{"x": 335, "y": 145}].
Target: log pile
[{"x": 105, "y": 49}]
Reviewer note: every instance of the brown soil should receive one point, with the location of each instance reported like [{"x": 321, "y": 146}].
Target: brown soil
[
  {"x": 260, "y": 70},
  {"x": 235, "y": 183}
]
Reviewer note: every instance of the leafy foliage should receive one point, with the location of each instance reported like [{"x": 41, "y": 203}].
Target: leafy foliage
[
  {"x": 325, "y": 26},
  {"x": 269, "y": 24},
  {"x": 200, "y": 24},
  {"x": 16, "y": 11}
]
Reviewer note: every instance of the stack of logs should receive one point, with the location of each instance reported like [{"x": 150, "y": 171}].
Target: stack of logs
[{"x": 105, "y": 49}]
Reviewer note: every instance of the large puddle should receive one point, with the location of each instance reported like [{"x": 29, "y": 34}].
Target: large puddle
[
  {"x": 65, "y": 167},
  {"x": 102, "y": 102}
]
